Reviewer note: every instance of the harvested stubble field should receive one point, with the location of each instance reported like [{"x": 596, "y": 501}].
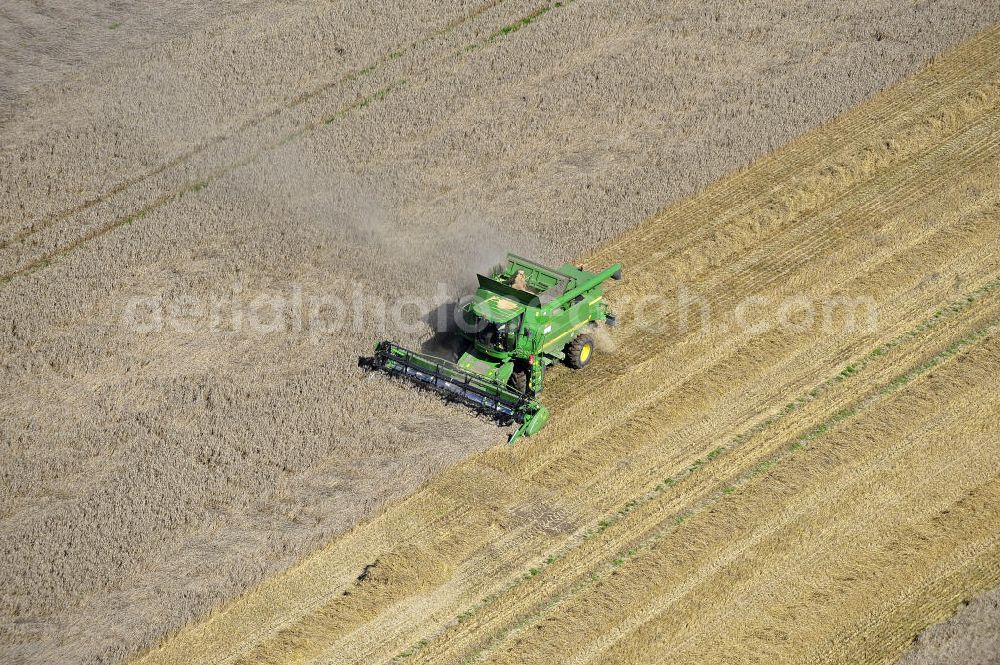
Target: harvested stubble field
[{"x": 151, "y": 475}]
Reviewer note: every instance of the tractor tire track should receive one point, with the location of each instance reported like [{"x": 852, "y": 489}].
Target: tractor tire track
[
  {"x": 638, "y": 527},
  {"x": 214, "y": 141},
  {"x": 748, "y": 454},
  {"x": 924, "y": 157},
  {"x": 808, "y": 239},
  {"x": 830, "y": 495},
  {"x": 194, "y": 185}
]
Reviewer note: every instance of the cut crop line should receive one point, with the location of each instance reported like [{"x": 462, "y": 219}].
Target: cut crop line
[
  {"x": 868, "y": 131},
  {"x": 165, "y": 199},
  {"x": 964, "y": 344},
  {"x": 740, "y": 481},
  {"x": 932, "y": 141},
  {"x": 698, "y": 463},
  {"x": 826, "y": 541},
  {"x": 864, "y": 362},
  {"x": 251, "y": 123},
  {"x": 747, "y": 277},
  {"x": 929, "y": 106},
  {"x": 630, "y": 506},
  {"x": 649, "y": 460},
  {"x": 914, "y": 182},
  {"x": 877, "y": 355},
  {"x": 968, "y": 558}
]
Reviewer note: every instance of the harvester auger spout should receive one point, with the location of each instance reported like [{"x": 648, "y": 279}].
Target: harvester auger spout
[{"x": 522, "y": 318}]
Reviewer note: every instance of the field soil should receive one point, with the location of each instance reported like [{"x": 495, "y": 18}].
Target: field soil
[
  {"x": 735, "y": 490},
  {"x": 201, "y": 231},
  {"x": 971, "y": 636}
]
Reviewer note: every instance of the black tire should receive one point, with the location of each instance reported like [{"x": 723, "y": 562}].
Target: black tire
[
  {"x": 519, "y": 380},
  {"x": 580, "y": 351}
]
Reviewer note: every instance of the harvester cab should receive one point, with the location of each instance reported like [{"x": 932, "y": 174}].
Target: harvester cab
[{"x": 521, "y": 319}]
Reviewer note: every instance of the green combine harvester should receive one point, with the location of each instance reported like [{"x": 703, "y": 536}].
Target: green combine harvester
[{"x": 522, "y": 318}]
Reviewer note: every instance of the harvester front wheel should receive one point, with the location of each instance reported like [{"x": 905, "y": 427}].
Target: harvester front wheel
[{"x": 580, "y": 351}]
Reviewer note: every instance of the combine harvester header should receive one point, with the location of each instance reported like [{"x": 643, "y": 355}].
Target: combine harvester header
[{"x": 522, "y": 318}]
